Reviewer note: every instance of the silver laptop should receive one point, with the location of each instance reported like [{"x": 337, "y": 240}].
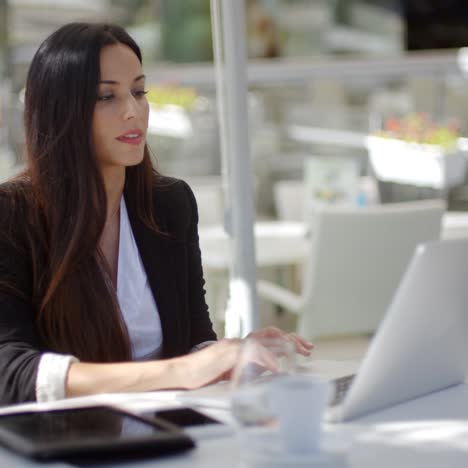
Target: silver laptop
[{"x": 420, "y": 347}]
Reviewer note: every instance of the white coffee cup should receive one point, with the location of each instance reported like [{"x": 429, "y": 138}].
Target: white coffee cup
[{"x": 298, "y": 402}]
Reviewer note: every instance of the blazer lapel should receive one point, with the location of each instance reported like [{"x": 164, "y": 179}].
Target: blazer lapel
[{"x": 158, "y": 257}]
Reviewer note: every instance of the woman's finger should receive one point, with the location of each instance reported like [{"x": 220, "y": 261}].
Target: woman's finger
[
  {"x": 302, "y": 346},
  {"x": 267, "y": 332},
  {"x": 274, "y": 332},
  {"x": 303, "y": 341},
  {"x": 266, "y": 359}
]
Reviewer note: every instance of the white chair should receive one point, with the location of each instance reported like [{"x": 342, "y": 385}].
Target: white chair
[
  {"x": 357, "y": 258},
  {"x": 289, "y": 197},
  {"x": 209, "y": 195}
]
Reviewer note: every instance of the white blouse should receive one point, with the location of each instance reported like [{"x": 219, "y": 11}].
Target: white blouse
[
  {"x": 138, "y": 308},
  {"x": 136, "y": 300}
]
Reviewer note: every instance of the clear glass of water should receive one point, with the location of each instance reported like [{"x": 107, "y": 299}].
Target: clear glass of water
[{"x": 262, "y": 361}]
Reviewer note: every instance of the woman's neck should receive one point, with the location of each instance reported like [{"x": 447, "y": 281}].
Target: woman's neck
[{"x": 114, "y": 181}]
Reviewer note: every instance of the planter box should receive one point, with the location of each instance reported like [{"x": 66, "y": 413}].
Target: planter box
[{"x": 416, "y": 164}]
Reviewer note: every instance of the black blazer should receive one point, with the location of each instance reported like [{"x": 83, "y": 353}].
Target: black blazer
[{"x": 172, "y": 262}]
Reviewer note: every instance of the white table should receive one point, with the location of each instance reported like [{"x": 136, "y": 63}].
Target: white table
[
  {"x": 281, "y": 243},
  {"x": 429, "y": 432},
  {"x": 277, "y": 243}
]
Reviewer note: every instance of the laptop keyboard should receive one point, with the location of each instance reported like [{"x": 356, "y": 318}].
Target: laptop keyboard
[
  {"x": 218, "y": 395},
  {"x": 342, "y": 385}
]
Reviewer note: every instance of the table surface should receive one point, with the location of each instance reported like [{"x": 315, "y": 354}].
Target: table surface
[{"x": 430, "y": 431}]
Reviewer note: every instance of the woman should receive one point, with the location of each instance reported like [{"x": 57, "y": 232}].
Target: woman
[{"x": 101, "y": 284}]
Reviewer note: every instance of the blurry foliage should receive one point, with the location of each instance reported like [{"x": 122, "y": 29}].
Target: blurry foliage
[
  {"x": 186, "y": 30},
  {"x": 131, "y": 8},
  {"x": 162, "y": 96}
]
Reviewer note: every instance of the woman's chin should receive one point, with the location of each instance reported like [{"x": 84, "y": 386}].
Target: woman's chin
[{"x": 131, "y": 160}]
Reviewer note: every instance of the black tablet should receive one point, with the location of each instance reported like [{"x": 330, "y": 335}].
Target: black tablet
[
  {"x": 197, "y": 425},
  {"x": 90, "y": 432}
]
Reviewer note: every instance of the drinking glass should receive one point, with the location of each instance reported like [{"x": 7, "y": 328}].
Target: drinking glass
[
  {"x": 278, "y": 410},
  {"x": 261, "y": 362}
]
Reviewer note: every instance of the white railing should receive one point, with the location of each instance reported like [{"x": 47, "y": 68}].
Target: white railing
[{"x": 277, "y": 71}]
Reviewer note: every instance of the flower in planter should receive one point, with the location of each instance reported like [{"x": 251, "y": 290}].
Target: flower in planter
[
  {"x": 416, "y": 151},
  {"x": 419, "y": 128}
]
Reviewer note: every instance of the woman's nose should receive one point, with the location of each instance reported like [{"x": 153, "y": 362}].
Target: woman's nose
[{"x": 130, "y": 108}]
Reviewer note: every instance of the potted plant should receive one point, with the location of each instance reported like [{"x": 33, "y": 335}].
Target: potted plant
[{"x": 414, "y": 150}]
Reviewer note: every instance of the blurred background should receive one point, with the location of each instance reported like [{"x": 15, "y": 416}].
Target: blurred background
[
  {"x": 323, "y": 76},
  {"x": 339, "y": 70}
]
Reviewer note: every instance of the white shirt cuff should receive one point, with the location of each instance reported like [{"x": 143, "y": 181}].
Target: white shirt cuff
[
  {"x": 202, "y": 345},
  {"x": 52, "y": 375}
]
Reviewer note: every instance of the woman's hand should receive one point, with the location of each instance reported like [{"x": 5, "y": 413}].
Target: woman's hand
[
  {"x": 216, "y": 362},
  {"x": 301, "y": 345}
]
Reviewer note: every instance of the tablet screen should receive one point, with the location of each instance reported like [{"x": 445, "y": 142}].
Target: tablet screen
[
  {"x": 43, "y": 434},
  {"x": 79, "y": 424}
]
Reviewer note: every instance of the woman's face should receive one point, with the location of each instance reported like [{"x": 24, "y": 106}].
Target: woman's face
[{"x": 120, "y": 118}]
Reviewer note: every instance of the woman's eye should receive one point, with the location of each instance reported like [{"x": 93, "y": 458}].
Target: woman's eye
[
  {"x": 106, "y": 97},
  {"x": 140, "y": 94}
]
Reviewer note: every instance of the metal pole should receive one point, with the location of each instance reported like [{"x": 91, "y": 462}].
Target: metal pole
[
  {"x": 241, "y": 316},
  {"x": 221, "y": 107},
  {"x": 4, "y": 58},
  {"x": 7, "y": 157}
]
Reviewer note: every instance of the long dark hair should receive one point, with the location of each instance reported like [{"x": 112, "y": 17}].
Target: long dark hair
[{"x": 76, "y": 303}]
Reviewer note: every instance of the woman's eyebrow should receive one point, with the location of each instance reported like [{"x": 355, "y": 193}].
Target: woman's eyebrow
[{"x": 114, "y": 82}]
